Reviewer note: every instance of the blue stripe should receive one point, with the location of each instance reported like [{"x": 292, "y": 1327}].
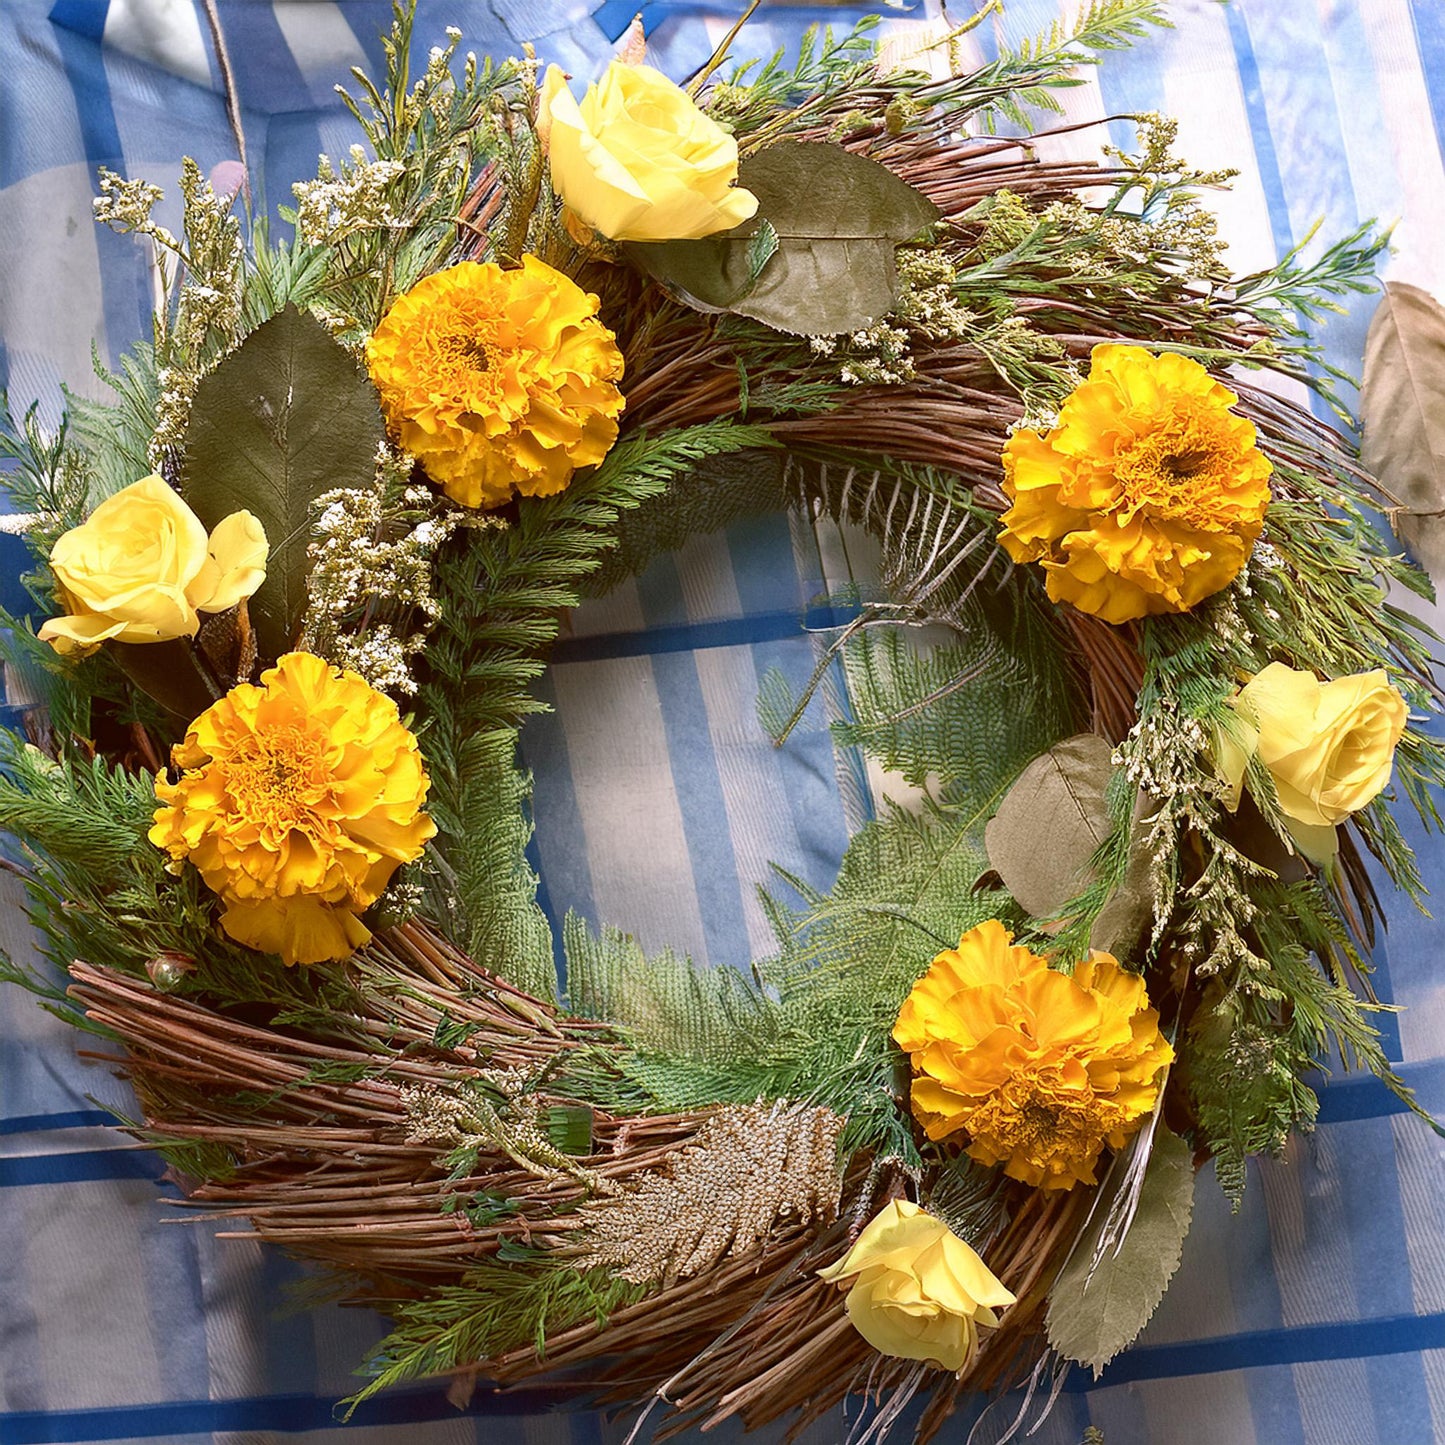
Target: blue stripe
[
  {"x": 1429, "y": 22},
  {"x": 560, "y": 863},
  {"x": 695, "y": 636},
  {"x": 1266, "y": 161},
  {"x": 697, "y": 782},
  {"x": 81, "y": 1167},
  {"x": 67, "y": 1119},
  {"x": 533, "y": 855},
  {"x": 1363, "y": 1096},
  {"x": 126, "y": 300},
  {"x": 285, "y": 1414},
  {"x": 1305, "y": 1344}
]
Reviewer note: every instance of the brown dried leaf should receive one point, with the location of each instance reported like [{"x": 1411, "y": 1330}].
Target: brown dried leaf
[
  {"x": 1051, "y": 822},
  {"x": 1402, "y": 407}
]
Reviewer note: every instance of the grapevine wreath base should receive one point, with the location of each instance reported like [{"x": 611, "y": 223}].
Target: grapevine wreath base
[
  {"x": 335, "y": 1172},
  {"x": 654, "y": 1190}
]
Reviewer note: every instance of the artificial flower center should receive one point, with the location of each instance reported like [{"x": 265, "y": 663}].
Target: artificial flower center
[
  {"x": 1172, "y": 477},
  {"x": 1030, "y": 1119},
  {"x": 274, "y": 781},
  {"x": 469, "y": 352}
]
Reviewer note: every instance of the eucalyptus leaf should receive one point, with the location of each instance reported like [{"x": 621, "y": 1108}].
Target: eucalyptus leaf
[
  {"x": 836, "y": 219},
  {"x": 1042, "y": 840},
  {"x": 1093, "y": 1316},
  {"x": 285, "y": 417},
  {"x": 1402, "y": 406}
]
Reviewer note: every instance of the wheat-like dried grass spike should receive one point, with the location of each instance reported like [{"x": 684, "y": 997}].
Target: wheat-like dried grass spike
[{"x": 748, "y": 1167}]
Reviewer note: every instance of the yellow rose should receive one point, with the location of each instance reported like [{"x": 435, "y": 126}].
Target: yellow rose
[
  {"x": 638, "y": 161},
  {"x": 141, "y": 567},
  {"x": 919, "y": 1292},
  {"x": 1329, "y": 746}
]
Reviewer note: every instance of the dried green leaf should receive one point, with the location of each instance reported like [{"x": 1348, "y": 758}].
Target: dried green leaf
[
  {"x": 1402, "y": 406},
  {"x": 1092, "y": 1317},
  {"x": 1042, "y": 840},
  {"x": 829, "y": 267},
  {"x": 286, "y": 416}
]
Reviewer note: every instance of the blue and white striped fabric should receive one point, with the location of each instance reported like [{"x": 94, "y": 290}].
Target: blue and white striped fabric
[{"x": 1315, "y": 1317}]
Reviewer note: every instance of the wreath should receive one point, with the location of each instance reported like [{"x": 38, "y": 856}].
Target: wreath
[{"x": 301, "y": 575}]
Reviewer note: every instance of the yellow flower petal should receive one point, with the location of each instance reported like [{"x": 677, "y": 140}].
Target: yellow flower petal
[
  {"x": 235, "y": 564},
  {"x": 919, "y": 1291},
  {"x": 1329, "y": 747},
  {"x": 127, "y": 570},
  {"x": 638, "y": 161}
]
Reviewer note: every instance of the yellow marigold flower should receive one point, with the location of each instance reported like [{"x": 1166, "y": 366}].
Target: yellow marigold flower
[
  {"x": 1038, "y": 1068},
  {"x": 498, "y": 381},
  {"x": 915, "y": 1289},
  {"x": 297, "y": 800},
  {"x": 1148, "y": 494}
]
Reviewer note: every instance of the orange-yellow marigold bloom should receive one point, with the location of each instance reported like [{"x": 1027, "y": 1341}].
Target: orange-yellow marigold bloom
[
  {"x": 297, "y": 800},
  {"x": 1148, "y": 494},
  {"x": 1038, "y": 1068},
  {"x": 498, "y": 381}
]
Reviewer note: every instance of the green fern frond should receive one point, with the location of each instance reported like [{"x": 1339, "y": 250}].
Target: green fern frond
[{"x": 666, "y": 1004}]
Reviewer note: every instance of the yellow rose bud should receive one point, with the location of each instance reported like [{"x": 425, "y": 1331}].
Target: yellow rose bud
[
  {"x": 638, "y": 161},
  {"x": 141, "y": 566},
  {"x": 919, "y": 1292},
  {"x": 1328, "y": 746},
  {"x": 235, "y": 563}
]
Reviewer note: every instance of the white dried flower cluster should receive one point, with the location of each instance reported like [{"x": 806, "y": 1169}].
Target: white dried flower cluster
[
  {"x": 926, "y": 298},
  {"x": 371, "y": 554},
  {"x": 877, "y": 356},
  {"x": 1161, "y": 753},
  {"x": 1225, "y": 617},
  {"x": 208, "y": 317},
  {"x": 339, "y": 204},
  {"x": 176, "y": 389},
  {"x": 1042, "y": 420},
  {"x": 126, "y": 205}
]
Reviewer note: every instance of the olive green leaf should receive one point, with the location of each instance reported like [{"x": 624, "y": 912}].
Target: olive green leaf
[
  {"x": 1098, "y": 1307},
  {"x": 1043, "y": 838},
  {"x": 1402, "y": 406},
  {"x": 817, "y": 259},
  {"x": 169, "y": 673},
  {"x": 286, "y": 416}
]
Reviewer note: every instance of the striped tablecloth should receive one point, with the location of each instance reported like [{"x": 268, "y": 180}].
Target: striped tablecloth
[{"x": 1315, "y": 1317}]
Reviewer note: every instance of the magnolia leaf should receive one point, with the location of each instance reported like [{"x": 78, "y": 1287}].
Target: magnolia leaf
[
  {"x": 1043, "y": 838},
  {"x": 836, "y": 219},
  {"x": 167, "y": 672},
  {"x": 1402, "y": 406},
  {"x": 286, "y": 416},
  {"x": 1092, "y": 1317}
]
